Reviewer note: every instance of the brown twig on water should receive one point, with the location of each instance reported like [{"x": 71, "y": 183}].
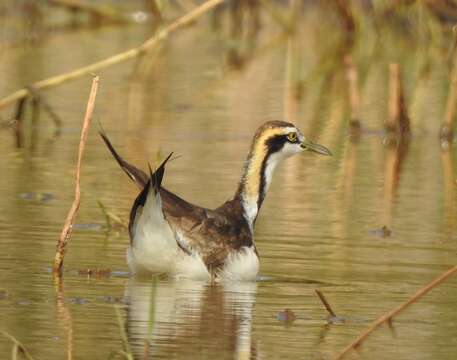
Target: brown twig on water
[
  {"x": 389, "y": 316},
  {"x": 115, "y": 59},
  {"x": 397, "y": 123},
  {"x": 325, "y": 303},
  {"x": 67, "y": 228},
  {"x": 17, "y": 347}
]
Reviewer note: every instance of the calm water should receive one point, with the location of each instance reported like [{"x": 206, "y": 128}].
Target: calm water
[{"x": 319, "y": 226}]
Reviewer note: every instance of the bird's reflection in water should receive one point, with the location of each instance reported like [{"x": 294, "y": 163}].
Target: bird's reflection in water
[{"x": 190, "y": 319}]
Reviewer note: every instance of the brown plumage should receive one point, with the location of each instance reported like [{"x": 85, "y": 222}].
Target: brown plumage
[{"x": 214, "y": 234}]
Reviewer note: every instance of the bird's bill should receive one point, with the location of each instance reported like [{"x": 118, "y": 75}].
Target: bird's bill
[{"x": 310, "y": 146}]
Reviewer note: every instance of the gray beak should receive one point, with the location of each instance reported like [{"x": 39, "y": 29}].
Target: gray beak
[{"x": 310, "y": 146}]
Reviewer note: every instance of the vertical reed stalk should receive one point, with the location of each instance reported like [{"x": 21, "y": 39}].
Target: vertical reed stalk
[
  {"x": 397, "y": 123},
  {"x": 447, "y": 128},
  {"x": 67, "y": 228},
  {"x": 352, "y": 78}
]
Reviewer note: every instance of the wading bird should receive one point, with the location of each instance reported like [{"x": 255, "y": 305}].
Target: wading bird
[{"x": 170, "y": 235}]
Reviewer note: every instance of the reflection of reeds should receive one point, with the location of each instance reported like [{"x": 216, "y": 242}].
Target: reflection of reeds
[
  {"x": 18, "y": 123},
  {"x": 64, "y": 315},
  {"x": 449, "y": 185},
  {"x": 126, "y": 352},
  {"x": 396, "y": 153}
]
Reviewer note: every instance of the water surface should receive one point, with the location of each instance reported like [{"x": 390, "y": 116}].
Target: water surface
[{"x": 319, "y": 226}]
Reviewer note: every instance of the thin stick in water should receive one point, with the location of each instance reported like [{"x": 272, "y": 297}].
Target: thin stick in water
[
  {"x": 388, "y": 316},
  {"x": 67, "y": 228},
  {"x": 325, "y": 303}
]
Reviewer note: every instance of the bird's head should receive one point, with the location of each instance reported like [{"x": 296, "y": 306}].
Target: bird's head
[
  {"x": 273, "y": 142},
  {"x": 284, "y": 139}
]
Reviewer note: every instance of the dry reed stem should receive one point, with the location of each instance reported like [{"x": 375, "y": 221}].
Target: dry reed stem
[
  {"x": 17, "y": 345},
  {"x": 116, "y": 59},
  {"x": 325, "y": 303},
  {"x": 389, "y": 316},
  {"x": 289, "y": 100},
  {"x": 67, "y": 228},
  {"x": 398, "y": 121},
  {"x": 354, "y": 97},
  {"x": 449, "y": 116}
]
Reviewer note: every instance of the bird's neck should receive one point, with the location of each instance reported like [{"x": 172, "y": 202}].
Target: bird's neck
[{"x": 257, "y": 174}]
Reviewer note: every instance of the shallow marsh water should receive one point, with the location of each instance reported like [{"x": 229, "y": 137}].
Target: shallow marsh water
[{"x": 319, "y": 226}]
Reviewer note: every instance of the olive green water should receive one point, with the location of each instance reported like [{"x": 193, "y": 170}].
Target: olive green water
[{"x": 318, "y": 228}]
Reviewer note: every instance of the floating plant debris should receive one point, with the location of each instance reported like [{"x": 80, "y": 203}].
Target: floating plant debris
[
  {"x": 95, "y": 272},
  {"x": 382, "y": 232},
  {"x": 286, "y": 315},
  {"x": 36, "y": 196}
]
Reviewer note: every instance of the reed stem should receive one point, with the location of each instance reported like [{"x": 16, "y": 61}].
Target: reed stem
[
  {"x": 67, "y": 228},
  {"x": 389, "y": 316}
]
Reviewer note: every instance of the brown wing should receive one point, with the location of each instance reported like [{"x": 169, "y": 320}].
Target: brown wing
[
  {"x": 210, "y": 233},
  {"x": 213, "y": 234}
]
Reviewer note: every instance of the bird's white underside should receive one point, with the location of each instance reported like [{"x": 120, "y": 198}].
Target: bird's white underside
[{"x": 154, "y": 250}]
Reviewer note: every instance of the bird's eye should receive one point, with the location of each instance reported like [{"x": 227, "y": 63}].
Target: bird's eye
[{"x": 292, "y": 137}]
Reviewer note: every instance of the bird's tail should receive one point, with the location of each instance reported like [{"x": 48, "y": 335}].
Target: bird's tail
[{"x": 138, "y": 176}]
